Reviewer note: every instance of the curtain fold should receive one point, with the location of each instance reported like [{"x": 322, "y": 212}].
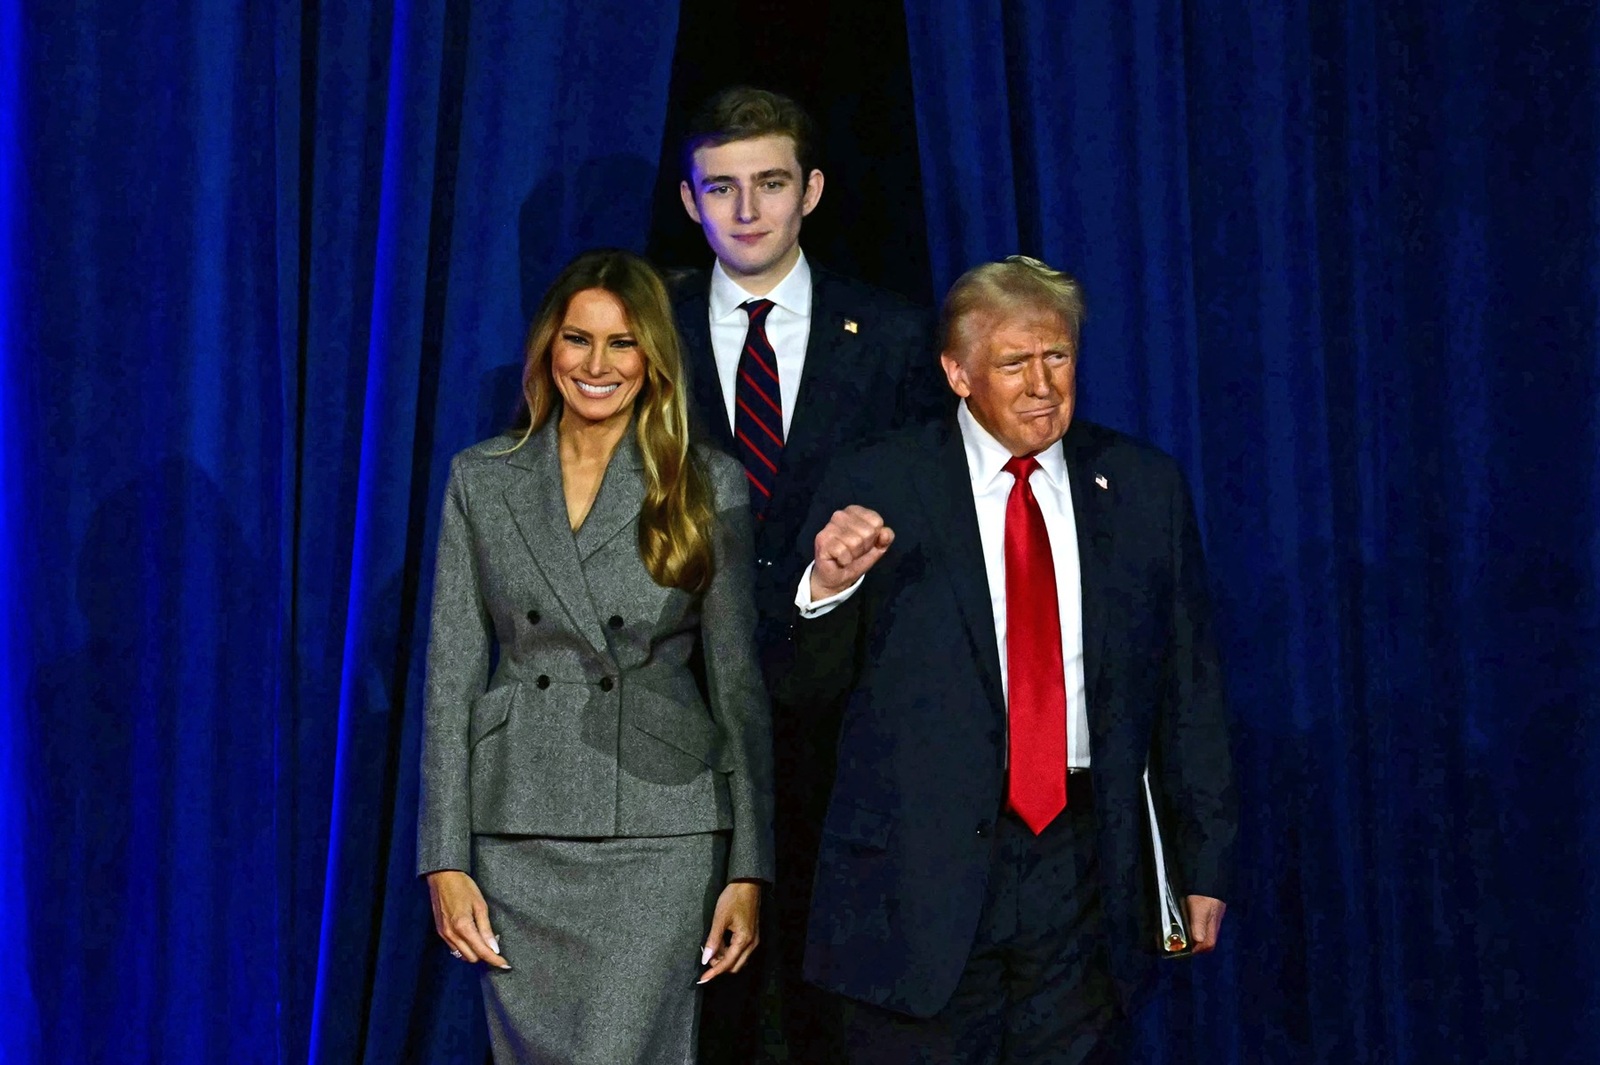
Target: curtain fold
[
  {"x": 1340, "y": 260},
  {"x": 958, "y": 55},
  {"x": 19, "y": 1011},
  {"x": 272, "y": 268}
]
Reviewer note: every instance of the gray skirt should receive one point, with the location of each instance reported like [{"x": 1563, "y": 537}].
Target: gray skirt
[{"x": 604, "y": 938}]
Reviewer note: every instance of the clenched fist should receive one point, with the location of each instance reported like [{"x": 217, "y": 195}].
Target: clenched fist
[{"x": 849, "y": 545}]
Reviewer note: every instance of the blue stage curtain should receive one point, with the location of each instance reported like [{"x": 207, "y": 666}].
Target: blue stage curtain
[
  {"x": 19, "y": 1017},
  {"x": 264, "y": 267},
  {"x": 1341, "y": 259}
]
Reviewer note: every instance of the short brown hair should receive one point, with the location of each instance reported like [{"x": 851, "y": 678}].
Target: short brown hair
[
  {"x": 741, "y": 113},
  {"x": 1015, "y": 281}
]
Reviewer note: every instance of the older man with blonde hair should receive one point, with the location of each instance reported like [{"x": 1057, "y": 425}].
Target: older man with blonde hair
[{"x": 1013, "y": 605}]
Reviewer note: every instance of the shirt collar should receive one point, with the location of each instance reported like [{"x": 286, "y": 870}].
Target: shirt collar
[
  {"x": 793, "y": 293},
  {"x": 987, "y": 457}
]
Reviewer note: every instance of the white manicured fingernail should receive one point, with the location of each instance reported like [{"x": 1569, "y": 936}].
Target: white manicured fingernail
[
  {"x": 494, "y": 944},
  {"x": 705, "y": 954}
]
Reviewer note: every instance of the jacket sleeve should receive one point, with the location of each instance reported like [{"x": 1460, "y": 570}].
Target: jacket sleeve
[
  {"x": 459, "y": 638},
  {"x": 826, "y": 649},
  {"x": 1192, "y": 759},
  {"x": 737, "y": 693}
]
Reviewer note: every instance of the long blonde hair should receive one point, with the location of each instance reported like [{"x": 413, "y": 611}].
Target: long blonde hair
[{"x": 675, "y": 520}]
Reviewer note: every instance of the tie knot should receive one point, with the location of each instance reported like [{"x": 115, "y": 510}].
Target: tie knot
[
  {"x": 757, "y": 310},
  {"x": 1021, "y": 467}
]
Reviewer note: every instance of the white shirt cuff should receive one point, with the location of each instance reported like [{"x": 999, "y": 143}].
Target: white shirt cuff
[{"x": 808, "y": 609}]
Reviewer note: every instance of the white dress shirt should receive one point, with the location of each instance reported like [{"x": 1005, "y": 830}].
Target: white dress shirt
[
  {"x": 788, "y": 329},
  {"x": 991, "y": 488}
]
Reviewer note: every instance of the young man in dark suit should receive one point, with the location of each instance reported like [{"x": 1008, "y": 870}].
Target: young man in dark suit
[
  {"x": 1014, "y": 605},
  {"x": 789, "y": 363}
]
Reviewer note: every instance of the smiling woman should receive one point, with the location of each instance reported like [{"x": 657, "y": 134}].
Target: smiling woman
[
  {"x": 607, "y": 322},
  {"x": 591, "y": 825},
  {"x": 595, "y": 360}
]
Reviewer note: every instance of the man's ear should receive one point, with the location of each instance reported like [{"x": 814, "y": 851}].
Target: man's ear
[
  {"x": 686, "y": 194},
  {"x": 813, "y": 195},
  {"x": 956, "y": 374}
]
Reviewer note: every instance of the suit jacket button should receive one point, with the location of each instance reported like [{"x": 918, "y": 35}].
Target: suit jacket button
[
  {"x": 606, "y": 684},
  {"x": 533, "y": 617},
  {"x": 543, "y": 681},
  {"x": 616, "y": 621},
  {"x": 983, "y": 829}
]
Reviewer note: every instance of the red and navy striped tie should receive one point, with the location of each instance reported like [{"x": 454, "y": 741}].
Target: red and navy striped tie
[{"x": 758, "y": 408}]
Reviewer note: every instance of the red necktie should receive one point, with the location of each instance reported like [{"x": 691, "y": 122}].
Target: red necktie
[
  {"x": 758, "y": 408},
  {"x": 1037, "y": 700}
]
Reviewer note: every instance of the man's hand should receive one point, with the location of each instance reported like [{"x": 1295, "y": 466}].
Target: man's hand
[
  {"x": 849, "y": 545},
  {"x": 1205, "y": 921}
]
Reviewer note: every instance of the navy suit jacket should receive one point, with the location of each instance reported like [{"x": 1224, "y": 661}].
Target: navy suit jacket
[
  {"x": 906, "y": 843},
  {"x": 857, "y": 383}
]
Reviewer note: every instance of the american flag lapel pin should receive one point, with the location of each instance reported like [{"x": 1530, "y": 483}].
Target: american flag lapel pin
[
  {"x": 1100, "y": 479},
  {"x": 850, "y": 326}
]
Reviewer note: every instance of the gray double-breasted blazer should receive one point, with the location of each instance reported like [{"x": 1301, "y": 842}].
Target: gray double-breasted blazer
[{"x": 593, "y": 723}]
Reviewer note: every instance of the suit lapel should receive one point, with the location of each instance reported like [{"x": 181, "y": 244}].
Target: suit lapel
[
  {"x": 539, "y": 509},
  {"x": 705, "y": 386},
  {"x": 1091, "y": 511},
  {"x": 946, "y": 491},
  {"x": 618, "y": 502},
  {"x": 827, "y": 365}
]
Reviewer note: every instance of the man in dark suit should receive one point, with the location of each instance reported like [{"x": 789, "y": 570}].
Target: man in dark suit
[
  {"x": 1014, "y": 605},
  {"x": 789, "y": 363}
]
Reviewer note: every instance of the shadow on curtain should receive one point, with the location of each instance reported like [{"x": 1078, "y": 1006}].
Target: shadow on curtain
[
  {"x": 1341, "y": 260},
  {"x": 268, "y": 267}
]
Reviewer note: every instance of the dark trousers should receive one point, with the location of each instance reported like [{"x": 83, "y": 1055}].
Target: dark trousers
[
  {"x": 768, "y": 1012},
  {"x": 1037, "y": 988},
  {"x": 812, "y": 1019}
]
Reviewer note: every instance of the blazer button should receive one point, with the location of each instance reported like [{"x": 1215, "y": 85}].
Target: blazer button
[
  {"x": 983, "y": 829},
  {"x": 533, "y": 617},
  {"x": 543, "y": 681},
  {"x": 606, "y": 684},
  {"x": 616, "y": 621}
]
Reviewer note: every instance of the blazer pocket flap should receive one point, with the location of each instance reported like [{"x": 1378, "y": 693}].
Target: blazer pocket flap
[
  {"x": 489, "y": 711},
  {"x": 858, "y": 825},
  {"x": 687, "y": 728}
]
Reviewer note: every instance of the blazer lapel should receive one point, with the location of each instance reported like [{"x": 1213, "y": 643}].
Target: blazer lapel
[
  {"x": 946, "y": 490},
  {"x": 1092, "y": 498},
  {"x": 621, "y": 495},
  {"x": 705, "y": 386},
  {"x": 539, "y": 509},
  {"x": 827, "y": 365}
]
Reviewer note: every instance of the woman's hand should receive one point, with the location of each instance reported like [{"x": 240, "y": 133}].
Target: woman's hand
[
  {"x": 735, "y": 929},
  {"x": 462, "y": 917}
]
